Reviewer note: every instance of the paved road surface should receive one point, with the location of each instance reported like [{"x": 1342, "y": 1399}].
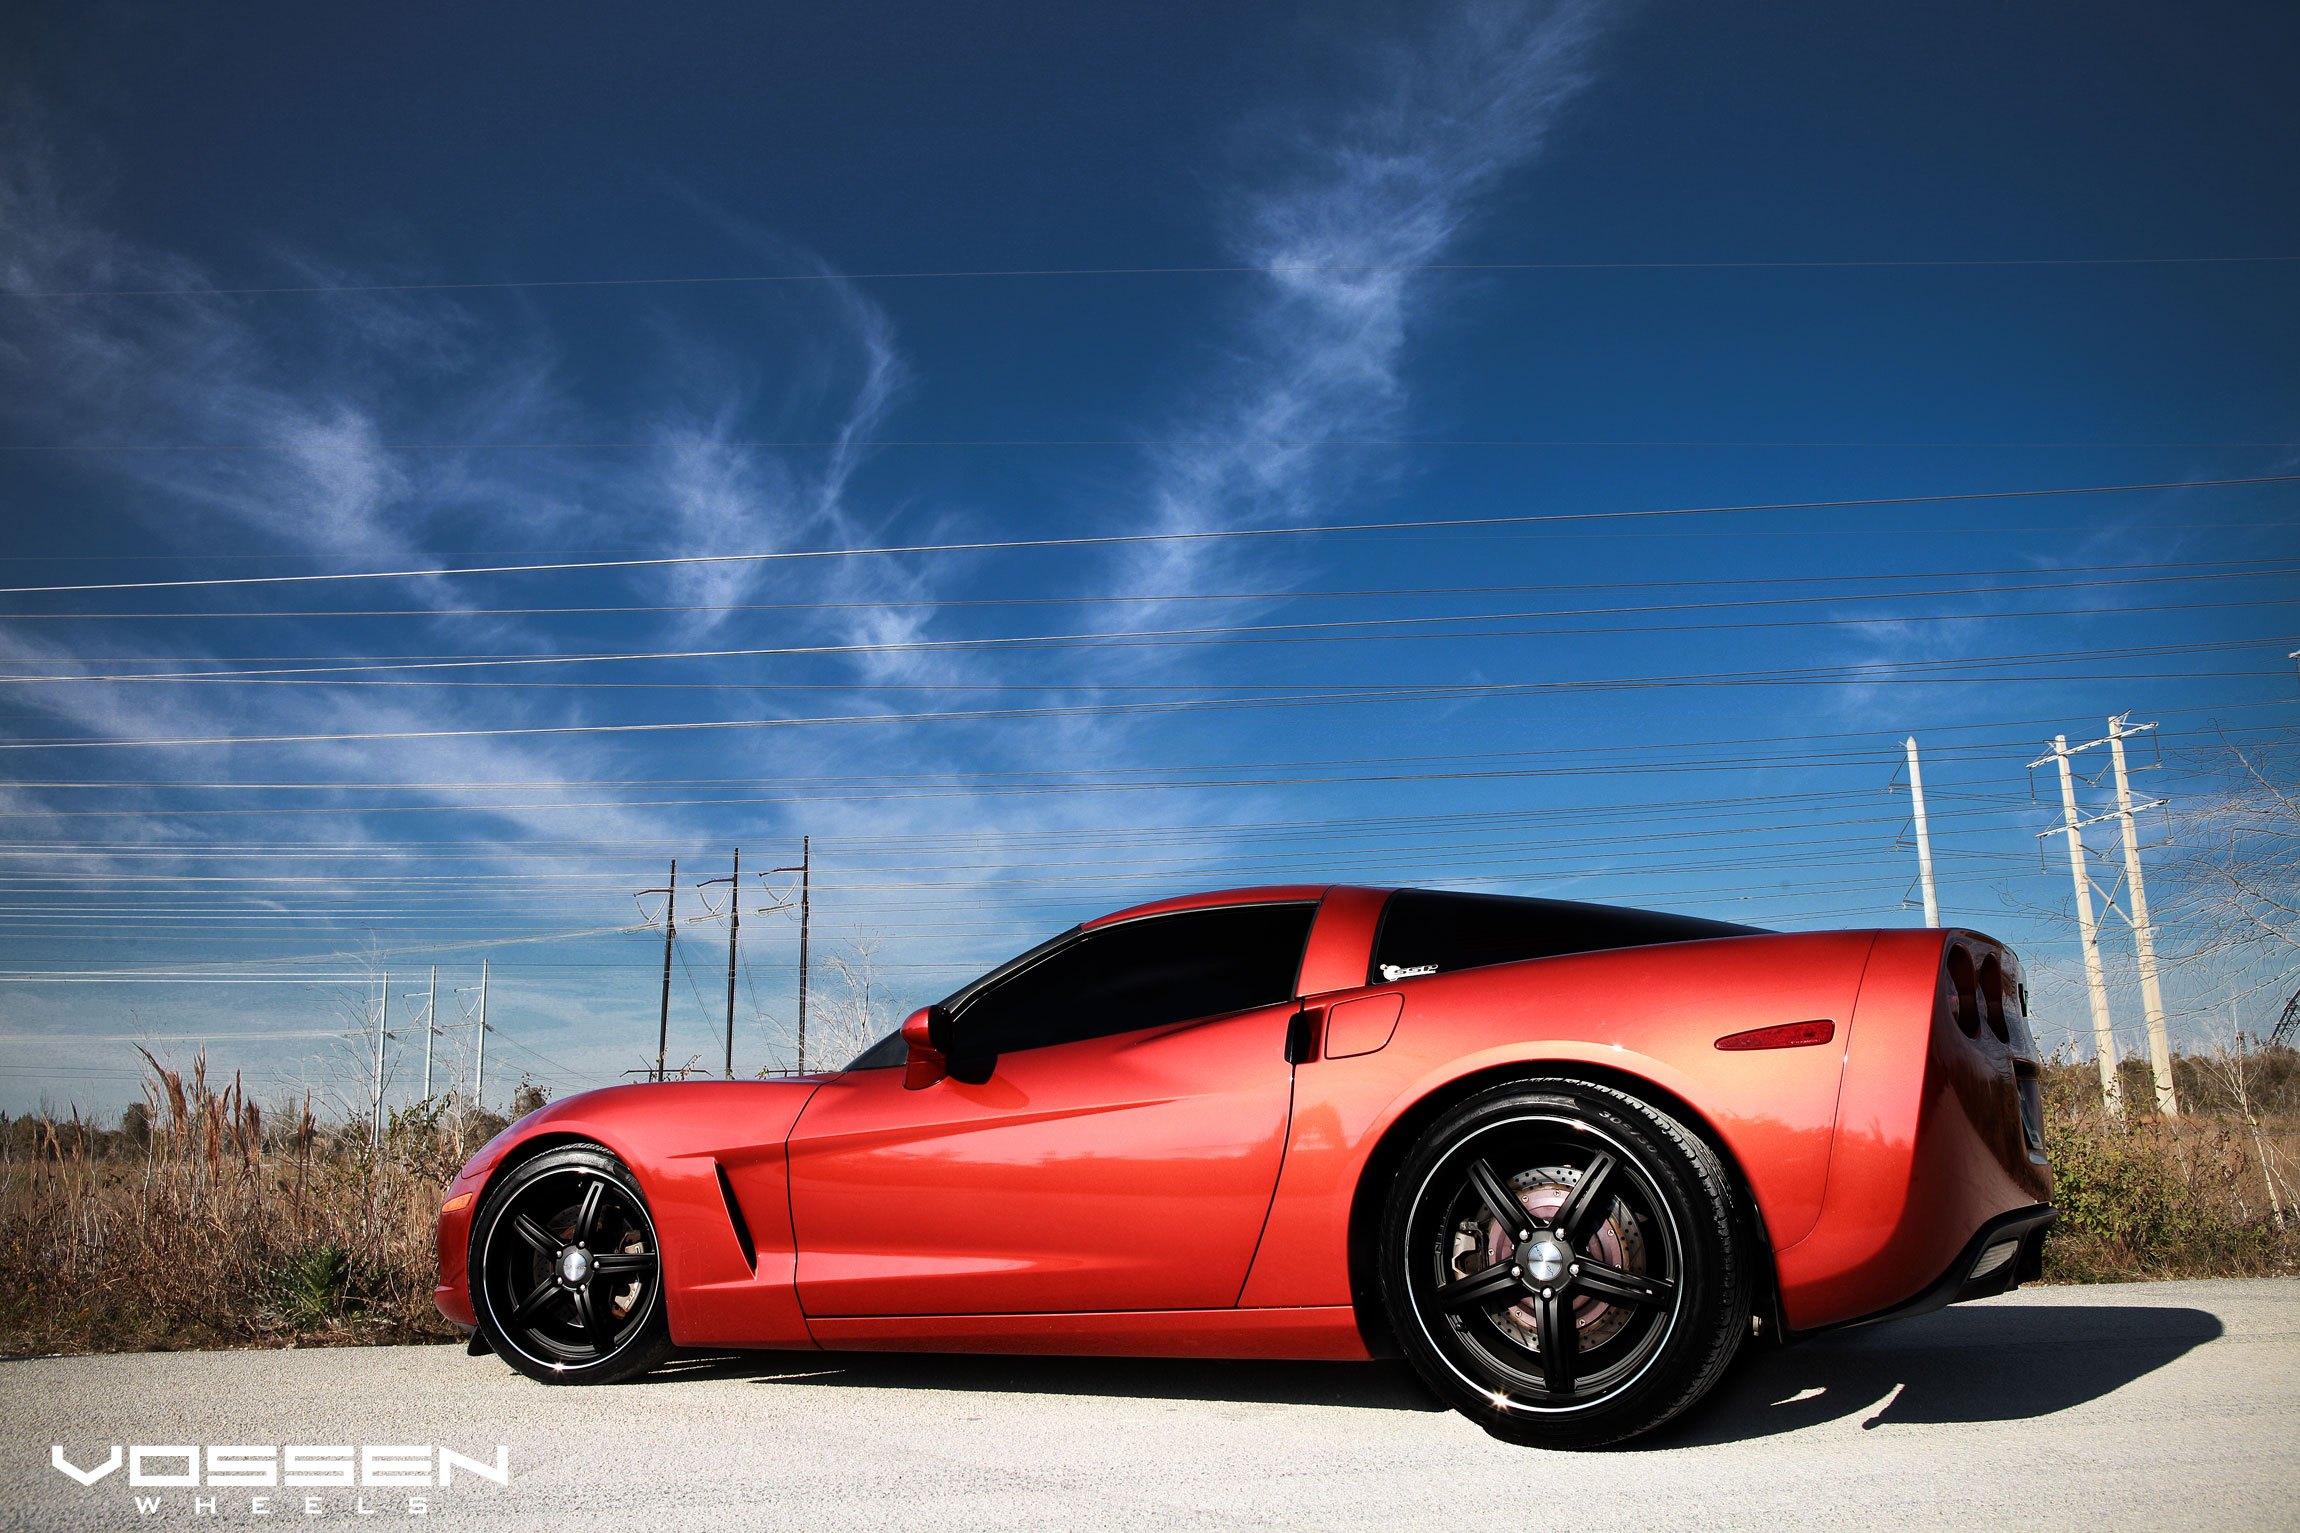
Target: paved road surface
[{"x": 2146, "y": 1405}]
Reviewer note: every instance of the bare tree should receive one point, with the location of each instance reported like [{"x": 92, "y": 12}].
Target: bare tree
[
  {"x": 2237, "y": 856},
  {"x": 848, "y": 1009},
  {"x": 2233, "y": 1063}
]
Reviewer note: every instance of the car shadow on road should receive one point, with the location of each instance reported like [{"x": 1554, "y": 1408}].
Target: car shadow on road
[{"x": 1964, "y": 1364}]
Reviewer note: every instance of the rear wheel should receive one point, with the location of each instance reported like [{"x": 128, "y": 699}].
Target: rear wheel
[
  {"x": 567, "y": 1277},
  {"x": 1565, "y": 1263}
]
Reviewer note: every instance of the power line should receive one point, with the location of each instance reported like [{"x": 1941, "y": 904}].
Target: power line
[
  {"x": 1153, "y": 638},
  {"x": 1869, "y": 673},
  {"x": 1580, "y": 751},
  {"x": 799, "y": 444},
  {"x": 1478, "y": 846},
  {"x": 955, "y": 791},
  {"x": 1111, "y": 539},
  {"x": 698, "y": 725},
  {"x": 2218, "y": 569},
  {"x": 1934, "y": 532},
  {"x": 1278, "y": 829},
  {"x": 1265, "y": 269}
]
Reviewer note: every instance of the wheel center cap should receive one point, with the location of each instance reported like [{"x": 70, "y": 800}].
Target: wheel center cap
[
  {"x": 1545, "y": 1260},
  {"x": 574, "y": 1266}
]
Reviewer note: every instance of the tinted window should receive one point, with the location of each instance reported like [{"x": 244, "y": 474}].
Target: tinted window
[
  {"x": 1139, "y": 974},
  {"x": 1428, "y": 932}
]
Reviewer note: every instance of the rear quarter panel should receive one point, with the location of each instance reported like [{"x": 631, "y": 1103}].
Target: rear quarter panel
[
  {"x": 1928, "y": 1146},
  {"x": 1650, "y": 1013}
]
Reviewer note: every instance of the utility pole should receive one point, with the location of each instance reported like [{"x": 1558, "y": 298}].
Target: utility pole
[
  {"x": 734, "y": 883},
  {"x": 2143, "y": 934},
  {"x": 479, "y": 1052},
  {"x": 670, "y": 893},
  {"x": 1924, "y": 836},
  {"x": 805, "y": 870},
  {"x": 806, "y": 921},
  {"x": 430, "y": 1028},
  {"x": 382, "y": 1031},
  {"x": 2103, "y": 1034}
]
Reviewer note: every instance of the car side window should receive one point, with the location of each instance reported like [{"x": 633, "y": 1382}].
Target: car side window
[
  {"x": 1434, "y": 931},
  {"x": 1138, "y": 974}
]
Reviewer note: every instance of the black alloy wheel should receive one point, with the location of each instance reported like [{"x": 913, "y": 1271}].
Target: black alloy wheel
[
  {"x": 1565, "y": 1263},
  {"x": 566, "y": 1273}
]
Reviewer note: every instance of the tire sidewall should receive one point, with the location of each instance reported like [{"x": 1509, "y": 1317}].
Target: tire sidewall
[
  {"x": 1712, "y": 1309},
  {"x": 647, "y": 1344}
]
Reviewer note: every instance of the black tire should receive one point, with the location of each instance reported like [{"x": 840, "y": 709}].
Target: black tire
[
  {"x": 566, "y": 1271},
  {"x": 1627, "y": 1224}
]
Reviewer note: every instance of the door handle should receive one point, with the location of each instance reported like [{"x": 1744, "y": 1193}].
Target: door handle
[{"x": 1302, "y": 1035}]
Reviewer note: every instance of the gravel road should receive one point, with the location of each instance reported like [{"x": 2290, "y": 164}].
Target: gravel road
[{"x": 2161, "y": 1405}]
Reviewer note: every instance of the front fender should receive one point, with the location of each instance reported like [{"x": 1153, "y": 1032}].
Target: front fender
[{"x": 703, "y": 1152}]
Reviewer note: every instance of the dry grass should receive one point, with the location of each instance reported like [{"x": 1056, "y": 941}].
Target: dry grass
[
  {"x": 2207, "y": 1194},
  {"x": 200, "y": 1222}
]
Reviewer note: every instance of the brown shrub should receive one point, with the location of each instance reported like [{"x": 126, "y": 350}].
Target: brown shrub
[
  {"x": 199, "y": 1223},
  {"x": 2188, "y": 1197}
]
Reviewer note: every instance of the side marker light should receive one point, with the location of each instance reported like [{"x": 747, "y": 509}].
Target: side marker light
[{"x": 1789, "y": 1035}]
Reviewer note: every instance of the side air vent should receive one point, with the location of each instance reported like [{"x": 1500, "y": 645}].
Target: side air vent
[{"x": 735, "y": 1218}]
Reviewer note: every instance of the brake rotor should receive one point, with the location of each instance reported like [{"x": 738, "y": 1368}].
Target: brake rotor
[{"x": 1481, "y": 1242}]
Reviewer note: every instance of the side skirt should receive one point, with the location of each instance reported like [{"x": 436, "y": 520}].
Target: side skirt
[{"x": 1324, "y": 1333}]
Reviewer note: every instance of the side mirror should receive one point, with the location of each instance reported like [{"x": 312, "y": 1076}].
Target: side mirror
[{"x": 924, "y": 1032}]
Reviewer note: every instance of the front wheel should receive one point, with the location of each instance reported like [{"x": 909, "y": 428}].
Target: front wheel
[
  {"x": 1564, "y": 1263},
  {"x": 566, "y": 1272}
]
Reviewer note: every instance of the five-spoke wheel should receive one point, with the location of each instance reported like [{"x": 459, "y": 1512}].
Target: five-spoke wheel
[
  {"x": 1563, "y": 1262},
  {"x": 566, "y": 1272}
]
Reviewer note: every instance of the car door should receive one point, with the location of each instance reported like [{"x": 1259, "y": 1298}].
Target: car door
[{"x": 1119, "y": 1153}]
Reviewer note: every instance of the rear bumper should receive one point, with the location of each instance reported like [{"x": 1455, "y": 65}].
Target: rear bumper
[{"x": 1982, "y": 1270}]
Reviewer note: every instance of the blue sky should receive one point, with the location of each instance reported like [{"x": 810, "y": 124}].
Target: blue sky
[{"x": 418, "y": 287}]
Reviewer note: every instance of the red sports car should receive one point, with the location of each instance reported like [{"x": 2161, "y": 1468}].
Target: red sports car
[{"x": 1567, "y": 1158}]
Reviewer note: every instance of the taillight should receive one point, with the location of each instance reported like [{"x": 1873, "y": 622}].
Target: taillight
[
  {"x": 1992, "y": 989},
  {"x": 2031, "y": 1092},
  {"x": 1964, "y": 986}
]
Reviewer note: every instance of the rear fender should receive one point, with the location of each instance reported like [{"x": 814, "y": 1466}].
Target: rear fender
[
  {"x": 1649, "y": 1015},
  {"x": 1930, "y": 1145}
]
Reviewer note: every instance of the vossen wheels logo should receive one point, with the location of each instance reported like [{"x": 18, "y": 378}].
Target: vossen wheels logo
[{"x": 380, "y": 1477}]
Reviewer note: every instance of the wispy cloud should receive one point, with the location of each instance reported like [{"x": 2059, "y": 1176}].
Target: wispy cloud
[
  {"x": 1355, "y": 201},
  {"x": 126, "y": 375},
  {"x": 294, "y": 419},
  {"x": 834, "y": 381}
]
